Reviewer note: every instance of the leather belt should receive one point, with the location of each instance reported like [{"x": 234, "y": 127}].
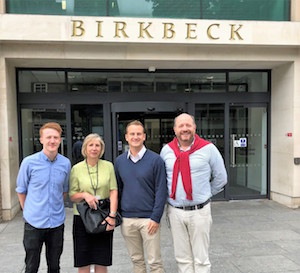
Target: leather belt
[{"x": 194, "y": 207}]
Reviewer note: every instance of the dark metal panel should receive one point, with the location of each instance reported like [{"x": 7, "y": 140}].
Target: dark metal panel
[
  {"x": 107, "y": 131},
  {"x": 147, "y": 106},
  {"x": 69, "y": 131}
]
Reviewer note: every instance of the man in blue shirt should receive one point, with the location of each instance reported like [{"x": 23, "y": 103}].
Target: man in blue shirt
[
  {"x": 42, "y": 184},
  {"x": 195, "y": 172},
  {"x": 142, "y": 191}
]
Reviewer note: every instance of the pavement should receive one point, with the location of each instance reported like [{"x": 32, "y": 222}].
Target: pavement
[{"x": 259, "y": 236}]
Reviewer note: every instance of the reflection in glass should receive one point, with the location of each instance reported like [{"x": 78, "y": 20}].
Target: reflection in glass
[
  {"x": 248, "y": 81},
  {"x": 138, "y": 85},
  {"x": 85, "y": 119},
  {"x": 32, "y": 120},
  {"x": 190, "y": 82},
  {"x": 158, "y": 127},
  {"x": 135, "y": 8},
  {"x": 209, "y": 120},
  {"x": 267, "y": 10},
  {"x": 40, "y": 81},
  {"x": 248, "y": 151},
  {"x": 87, "y": 82}
]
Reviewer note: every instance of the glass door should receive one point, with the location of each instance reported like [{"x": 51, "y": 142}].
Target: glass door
[
  {"x": 157, "y": 117},
  {"x": 85, "y": 119},
  {"x": 158, "y": 127},
  {"x": 210, "y": 124},
  {"x": 248, "y": 151},
  {"x": 33, "y": 118}
]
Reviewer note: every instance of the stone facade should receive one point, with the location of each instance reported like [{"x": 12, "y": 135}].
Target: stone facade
[{"x": 47, "y": 41}]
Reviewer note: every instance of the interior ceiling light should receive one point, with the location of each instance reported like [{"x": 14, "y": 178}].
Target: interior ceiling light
[{"x": 152, "y": 69}]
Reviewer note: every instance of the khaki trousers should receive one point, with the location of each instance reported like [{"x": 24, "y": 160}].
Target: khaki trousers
[
  {"x": 191, "y": 238},
  {"x": 134, "y": 231}
]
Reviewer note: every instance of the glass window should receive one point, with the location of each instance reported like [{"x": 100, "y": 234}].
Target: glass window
[
  {"x": 209, "y": 119},
  {"x": 190, "y": 82},
  {"x": 270, "y": 10},
  {"x": 85, "y": 119},
  {"x": 87, "y": 82},
  {"x": 248, "y": 81},
  {"x": 248, "y": 151},
  {"x": 210, "y": 123},
  {"x": 172, "y": 83},
  {"x": 32, "y": 120},
  {"x": 177, "y": 9},
  {"x": 40, "y": 81},
  {"x": 138, "y": 84},
  {"x": 58, "y": 7}
]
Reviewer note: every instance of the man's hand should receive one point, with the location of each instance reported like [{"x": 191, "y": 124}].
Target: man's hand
[{"x": 152, "y": 227}]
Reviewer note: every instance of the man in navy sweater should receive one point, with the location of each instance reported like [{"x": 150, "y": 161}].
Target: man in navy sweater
[{"x": 142, "y": 190}]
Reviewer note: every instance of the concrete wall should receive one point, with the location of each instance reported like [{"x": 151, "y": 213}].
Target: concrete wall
[
  {"x": 9, "y": 160},
  {"x": 295, "y": 10},
  {"x": 285, "y": 114},
  {"x": 2, "y": 6}
]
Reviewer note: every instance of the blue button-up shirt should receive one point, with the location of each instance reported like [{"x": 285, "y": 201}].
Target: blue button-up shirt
[
  {"x": 44, "y": 182},
  {"x": 208, "y": 175}
]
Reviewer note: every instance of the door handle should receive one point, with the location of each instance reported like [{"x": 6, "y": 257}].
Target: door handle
[{"x": 232, "y": 150}]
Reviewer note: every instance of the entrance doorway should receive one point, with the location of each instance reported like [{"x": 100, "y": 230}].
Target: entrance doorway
[
  {"x": 239, "y": 131},
  {"x": 157, "y": 117},
  {"x": 158, "y": 127},
  {"x": 248, "y": 150}
]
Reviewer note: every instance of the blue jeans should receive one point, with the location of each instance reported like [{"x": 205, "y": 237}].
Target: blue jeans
[{"x": 34, "y": 238}]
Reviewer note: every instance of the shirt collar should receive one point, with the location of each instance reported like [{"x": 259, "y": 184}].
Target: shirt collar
[
  {"x": 46, "y": 158},
  {"x": 139, "y": 155},
  {"x": 188, "y": 147}
]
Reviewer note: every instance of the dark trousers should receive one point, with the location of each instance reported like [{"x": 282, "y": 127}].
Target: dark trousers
[{"x": 34, "y": 238}]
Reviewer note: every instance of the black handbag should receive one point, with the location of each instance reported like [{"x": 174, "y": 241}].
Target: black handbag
[{"x": 94, "y": 220}]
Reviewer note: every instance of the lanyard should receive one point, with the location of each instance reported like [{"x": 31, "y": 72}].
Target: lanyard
[{"x": 94, "y": 188}]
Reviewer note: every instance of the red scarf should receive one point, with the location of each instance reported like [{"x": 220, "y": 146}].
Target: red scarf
[{"x": 182, "y": 164}]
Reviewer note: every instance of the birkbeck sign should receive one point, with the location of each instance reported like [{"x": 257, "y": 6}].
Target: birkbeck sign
[{"x": 111, "y": 29}]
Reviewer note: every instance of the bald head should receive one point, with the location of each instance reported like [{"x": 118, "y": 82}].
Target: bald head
[
  {"x": 185, "y": 129},
  {"x": 184, "y": 116}
]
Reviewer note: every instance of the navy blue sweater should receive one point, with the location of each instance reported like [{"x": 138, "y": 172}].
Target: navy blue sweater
[{"x": 142, "y": 186}]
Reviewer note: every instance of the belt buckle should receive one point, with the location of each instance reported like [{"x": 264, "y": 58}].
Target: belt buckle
[
  {"x": 185, "y": 207},
  {"x": 194, "y": 207}
]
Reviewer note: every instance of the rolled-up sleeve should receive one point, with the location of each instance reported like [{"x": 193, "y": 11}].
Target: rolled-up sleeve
[{"x": 23, "y": 178}]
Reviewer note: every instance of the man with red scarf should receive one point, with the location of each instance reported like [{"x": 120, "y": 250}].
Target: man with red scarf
[{"x": 195, "y": 172}]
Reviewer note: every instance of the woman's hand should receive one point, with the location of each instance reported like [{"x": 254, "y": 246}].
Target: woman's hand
[
  {"x": 91, "y": 200},
  {"x": 111, "y": 223}
]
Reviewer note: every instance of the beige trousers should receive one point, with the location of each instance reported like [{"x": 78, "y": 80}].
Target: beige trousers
[
  {"x": 134, "y": 231},
  {"x": 191, "y": 238}
]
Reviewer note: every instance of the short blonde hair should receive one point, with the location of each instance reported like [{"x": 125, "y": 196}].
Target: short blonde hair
[
  {"x": 51, "y": 125},
  {"x": 88, "y": 139}
]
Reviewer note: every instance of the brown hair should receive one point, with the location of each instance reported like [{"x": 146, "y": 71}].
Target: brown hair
[
  {"x": 51, "y": 125},
  {"x": 135, "y": 122},
  {"x": 88, "y": 139}
]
